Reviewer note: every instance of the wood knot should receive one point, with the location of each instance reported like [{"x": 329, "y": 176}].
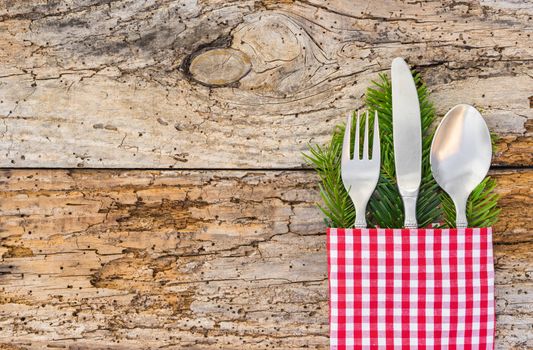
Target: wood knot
[{"x": 219, "y": 67}]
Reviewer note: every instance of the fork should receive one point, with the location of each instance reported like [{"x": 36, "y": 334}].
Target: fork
[{"x": 360, "y": 175}]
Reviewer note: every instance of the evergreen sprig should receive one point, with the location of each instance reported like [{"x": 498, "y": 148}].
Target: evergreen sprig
[
  {"x": 481, "y": 209},
  {"x": 385, "y": 208}
]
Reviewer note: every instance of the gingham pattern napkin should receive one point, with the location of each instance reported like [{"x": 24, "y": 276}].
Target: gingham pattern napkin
[{"x": 411, "y": 289}]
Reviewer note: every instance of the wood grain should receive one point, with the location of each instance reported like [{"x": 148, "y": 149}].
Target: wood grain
[
  {"x": 196, "y": 259},
  {"x": 221, "y": 259},
  {"x": 247, "y": 84}
]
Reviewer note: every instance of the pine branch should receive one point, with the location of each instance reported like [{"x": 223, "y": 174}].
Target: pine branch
[
  {"x": 481, "y": 209},
  {"x": 379, "y": 98},
  {"x": 338, "y": 207}
]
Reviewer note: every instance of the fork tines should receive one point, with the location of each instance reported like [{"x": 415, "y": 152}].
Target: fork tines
[
  {"x": 360, "y": 174},
  {"x": 346, "y": 146}
]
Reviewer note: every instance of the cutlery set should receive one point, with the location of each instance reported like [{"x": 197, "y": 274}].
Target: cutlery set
[{"x": 460, "y": 154}]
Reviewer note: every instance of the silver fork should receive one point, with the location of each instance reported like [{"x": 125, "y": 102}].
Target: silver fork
[{"x": 360, "y": 175}]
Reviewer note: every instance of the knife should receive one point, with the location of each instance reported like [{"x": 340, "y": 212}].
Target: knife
[{"x": 407, "y": 137}]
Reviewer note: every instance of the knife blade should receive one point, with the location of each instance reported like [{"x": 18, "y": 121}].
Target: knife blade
[{"x": 407, "y": 137}]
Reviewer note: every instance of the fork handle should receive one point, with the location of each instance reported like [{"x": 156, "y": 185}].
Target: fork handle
[
  {"x": 360, "y": 216},
  {"x": 409, "y": 205}
]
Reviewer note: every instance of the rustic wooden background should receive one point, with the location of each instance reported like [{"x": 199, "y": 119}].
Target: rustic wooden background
[{"x": 153, "y": 193}]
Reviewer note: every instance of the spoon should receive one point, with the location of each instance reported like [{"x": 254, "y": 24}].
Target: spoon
[{"x": 460, "y": 157}]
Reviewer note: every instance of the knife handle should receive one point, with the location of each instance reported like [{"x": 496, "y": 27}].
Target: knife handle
[{"x": 409, "y": 205}]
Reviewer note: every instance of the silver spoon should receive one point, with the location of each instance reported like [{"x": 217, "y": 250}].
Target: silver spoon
[{"x": 460, "y": 158}]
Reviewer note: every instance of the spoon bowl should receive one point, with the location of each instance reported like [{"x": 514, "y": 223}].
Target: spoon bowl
[{"x": 461, "y": 153}]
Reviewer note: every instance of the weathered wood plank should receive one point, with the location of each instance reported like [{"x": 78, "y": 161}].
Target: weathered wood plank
[
  {"x": 196, "y": 259},
  {"x": 217, "y": 84}
]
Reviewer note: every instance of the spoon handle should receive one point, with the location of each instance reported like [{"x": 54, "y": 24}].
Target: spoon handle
[{"x": 460, "y": 210}]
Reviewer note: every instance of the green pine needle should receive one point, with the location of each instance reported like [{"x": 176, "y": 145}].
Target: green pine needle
[
  {"x": 385, "y": 208},
  {"x": 482, "y": 207}
]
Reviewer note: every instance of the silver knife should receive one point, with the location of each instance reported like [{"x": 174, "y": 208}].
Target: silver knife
[{"x": 407, "y": 137}]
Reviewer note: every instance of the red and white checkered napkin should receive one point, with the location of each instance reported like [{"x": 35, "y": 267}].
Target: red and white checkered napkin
[{"x": 411, "y": 289}]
